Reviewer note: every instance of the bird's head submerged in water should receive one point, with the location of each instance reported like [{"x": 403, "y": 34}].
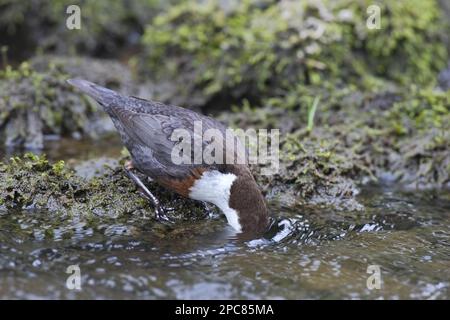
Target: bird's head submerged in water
[{"x": 146, "y": 129}]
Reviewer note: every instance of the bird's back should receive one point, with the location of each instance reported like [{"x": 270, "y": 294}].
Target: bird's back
[{"x": 147, "y": 128}]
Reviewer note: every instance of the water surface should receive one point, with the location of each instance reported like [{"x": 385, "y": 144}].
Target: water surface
[{"x": 324, "y": 256}]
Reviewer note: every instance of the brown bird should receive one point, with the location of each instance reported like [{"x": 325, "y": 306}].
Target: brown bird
[{"x": 146, "y": 129}]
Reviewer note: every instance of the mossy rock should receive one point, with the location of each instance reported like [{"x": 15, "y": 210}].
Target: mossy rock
[
  {"x": 32, "y": 183},
  {"x": 255, "y": 49},
  {"x": 398, "y": 134},
  {"x": 35, "y": 99}
]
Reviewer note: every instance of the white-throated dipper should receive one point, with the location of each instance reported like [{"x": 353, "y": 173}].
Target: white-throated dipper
[{"x": 146, "y": 128}]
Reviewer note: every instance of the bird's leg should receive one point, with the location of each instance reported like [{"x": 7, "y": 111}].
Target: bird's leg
[
  {"x": 164, "y": 208},
  {"x": 159, "y": 212}
]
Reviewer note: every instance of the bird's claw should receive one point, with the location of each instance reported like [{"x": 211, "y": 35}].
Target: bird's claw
[
  {"x": 159, "y": 210},
  {"x": 160, "y": 214}
]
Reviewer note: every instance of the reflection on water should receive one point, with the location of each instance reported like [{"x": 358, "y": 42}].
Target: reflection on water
[{"x": 310, "y": 253}]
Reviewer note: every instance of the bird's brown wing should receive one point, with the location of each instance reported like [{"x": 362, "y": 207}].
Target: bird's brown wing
[{"x": 149, "y": 137}]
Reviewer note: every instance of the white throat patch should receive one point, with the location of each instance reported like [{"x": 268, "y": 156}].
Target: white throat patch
[{"x": 214, "y": 187}]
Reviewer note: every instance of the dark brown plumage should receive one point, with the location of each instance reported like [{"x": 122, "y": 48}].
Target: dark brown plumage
[{"x": 146, "y": 127}]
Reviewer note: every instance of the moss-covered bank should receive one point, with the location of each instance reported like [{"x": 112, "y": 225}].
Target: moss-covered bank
[
  {"x": 397, "y": 135},
  {"x": 379, "y": 118},
  {"x": 32, "y": 183}
]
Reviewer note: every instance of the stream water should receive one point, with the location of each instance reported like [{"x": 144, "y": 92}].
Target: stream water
[{"x": 322, "y": 254}]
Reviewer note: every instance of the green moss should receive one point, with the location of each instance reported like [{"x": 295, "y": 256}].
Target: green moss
[
  {"x": 30, "y": 107},
  {"x": 254, "y": 49},
  {"x": 34, "y": 183},
  {"x": 409, "y": 47},
  {"x": 358, "y": 137},
  {"x": 421, "y": 110},
  {"x": 58, "y": 168}
]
